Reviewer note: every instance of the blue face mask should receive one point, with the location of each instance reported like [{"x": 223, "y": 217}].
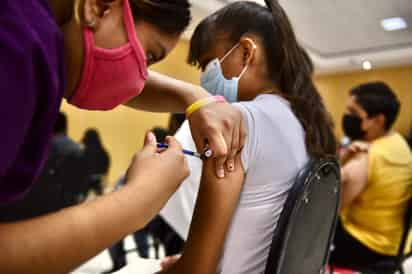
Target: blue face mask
[{"x": 213, "y": 80}]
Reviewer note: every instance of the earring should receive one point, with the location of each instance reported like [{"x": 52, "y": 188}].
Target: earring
[{"x": 91, "y": 23}]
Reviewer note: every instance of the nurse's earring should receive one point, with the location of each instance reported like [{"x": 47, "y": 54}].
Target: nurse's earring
[
  {"x": 88, "y": 13},
  {"x": 91, "y": 24}
]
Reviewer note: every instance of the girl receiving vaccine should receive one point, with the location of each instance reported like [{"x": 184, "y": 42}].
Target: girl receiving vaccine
[{"x": 249, "y": 54}]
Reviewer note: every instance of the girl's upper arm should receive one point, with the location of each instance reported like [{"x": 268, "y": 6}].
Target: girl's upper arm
[{"x": 215, "y": 207}]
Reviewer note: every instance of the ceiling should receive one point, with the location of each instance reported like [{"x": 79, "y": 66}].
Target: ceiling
[{"x": 341, "y": 34}]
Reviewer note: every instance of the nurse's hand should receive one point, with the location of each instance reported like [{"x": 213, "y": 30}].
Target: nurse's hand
[
  {"x": 353, "y": 149},
  {"x": 220, "y": 126},
  {"x": 168, "y": 262},
  {"x": 167, "y": 169}
]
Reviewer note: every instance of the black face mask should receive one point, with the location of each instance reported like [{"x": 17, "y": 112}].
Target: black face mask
[{"x": 352, "y": 127}]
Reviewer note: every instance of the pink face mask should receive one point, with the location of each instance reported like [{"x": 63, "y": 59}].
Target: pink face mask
[{"x": 111, "y": 76}]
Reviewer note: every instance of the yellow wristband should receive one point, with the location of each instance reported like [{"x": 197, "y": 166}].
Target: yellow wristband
[{"x": 203, "y": 102}]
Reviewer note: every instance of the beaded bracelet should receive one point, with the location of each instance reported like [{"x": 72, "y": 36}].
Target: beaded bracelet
[{"x": 203, "y": 102}]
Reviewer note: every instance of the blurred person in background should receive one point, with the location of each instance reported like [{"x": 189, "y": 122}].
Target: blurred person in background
[
  {"x": 61, "y": 182},
  {"x": 409, "y": 138},
  {"x": 97, "y": 160},
  {"x": 62, "y": 144},
  {"x": 158, "y": 228},
  {"x": 376, "y": 179},
  {"x": 175, "y": 122}
]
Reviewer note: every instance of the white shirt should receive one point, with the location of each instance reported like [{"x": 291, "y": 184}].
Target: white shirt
[
  {"x": 179, "y": 209},
  {"x": 274, "y": 153}
]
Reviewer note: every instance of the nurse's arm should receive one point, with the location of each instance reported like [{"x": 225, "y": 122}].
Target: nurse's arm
[
  {"x": 59, "y": 242},
  {"x": 166, "y": 94},
  {"x": 354, "y": 178},
  {"x": 219, "y": 124},
  {"x": 215, "y": 207}
]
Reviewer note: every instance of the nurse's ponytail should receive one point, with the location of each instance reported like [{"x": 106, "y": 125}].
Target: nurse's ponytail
[{"x": 289, "y": 67}]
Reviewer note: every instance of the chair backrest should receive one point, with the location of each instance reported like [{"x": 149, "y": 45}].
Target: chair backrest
[
  {"x": 304, "y": 233},
  {"x": 406, "y": 229}
]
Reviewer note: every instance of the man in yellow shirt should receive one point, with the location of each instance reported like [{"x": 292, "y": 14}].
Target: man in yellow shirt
[{"x": 376, "y": 183}]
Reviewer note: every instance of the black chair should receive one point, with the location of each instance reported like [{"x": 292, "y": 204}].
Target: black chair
[
  {"x": 396, "y": 264},
  {"x": 401, "y": 257},
  {"x": 303, "y": 236}
]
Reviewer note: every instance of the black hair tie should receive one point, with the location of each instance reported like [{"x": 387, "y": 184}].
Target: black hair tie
[{"x": 269, "y": 4}]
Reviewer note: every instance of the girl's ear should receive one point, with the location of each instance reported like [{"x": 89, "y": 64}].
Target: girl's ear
[{"x": 249, "y": 49}]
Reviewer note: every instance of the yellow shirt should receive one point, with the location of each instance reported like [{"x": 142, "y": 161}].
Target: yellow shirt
[{"x": 375, "y": 218}]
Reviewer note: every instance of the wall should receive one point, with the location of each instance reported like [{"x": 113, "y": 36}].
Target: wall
[
  {"x": 335, "y": 88},
  {"x": 123, "y": 129}
]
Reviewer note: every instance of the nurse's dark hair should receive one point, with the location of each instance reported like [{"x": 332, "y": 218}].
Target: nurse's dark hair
[
  {"x": 169, "y": 16},
  {"x": 289, "y": 66}
]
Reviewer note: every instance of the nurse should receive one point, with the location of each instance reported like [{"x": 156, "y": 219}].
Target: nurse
[{"x": 96, "y": 54}]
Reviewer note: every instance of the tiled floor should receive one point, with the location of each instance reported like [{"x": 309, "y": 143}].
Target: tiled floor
[{"x": 102, "y": 262}]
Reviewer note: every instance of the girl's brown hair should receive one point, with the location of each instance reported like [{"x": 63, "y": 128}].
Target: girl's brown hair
[{"x": 289, "y": 66}]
